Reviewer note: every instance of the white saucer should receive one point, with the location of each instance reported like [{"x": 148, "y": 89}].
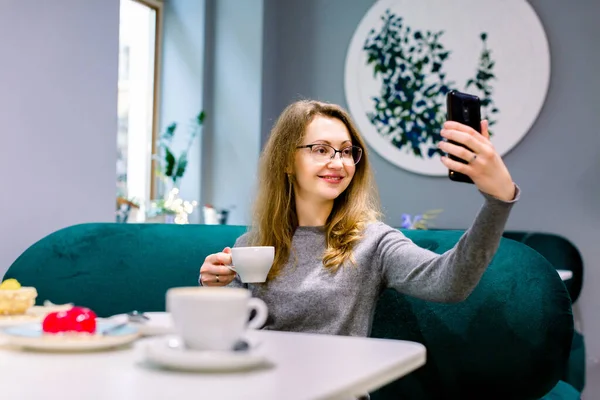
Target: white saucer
[
  {"x": 31, "y": 337},
  {"x": 168, "y": 352},
  {"x": 159, "y": 323}
]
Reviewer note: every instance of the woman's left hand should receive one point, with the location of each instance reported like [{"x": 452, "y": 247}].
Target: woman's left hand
[{"x": 485, "y": 166}]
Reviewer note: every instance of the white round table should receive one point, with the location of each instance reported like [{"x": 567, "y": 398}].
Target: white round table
[{"x": 304, "y": 366}]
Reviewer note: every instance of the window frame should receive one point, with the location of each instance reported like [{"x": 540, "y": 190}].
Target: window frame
[{"x": 157, "y": 6}]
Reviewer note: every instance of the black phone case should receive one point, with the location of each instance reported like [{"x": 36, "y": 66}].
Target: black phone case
[{"x": 466, "y": 109}]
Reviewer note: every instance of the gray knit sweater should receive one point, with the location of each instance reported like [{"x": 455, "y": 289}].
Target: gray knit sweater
[{"x": 308, "y": 298}]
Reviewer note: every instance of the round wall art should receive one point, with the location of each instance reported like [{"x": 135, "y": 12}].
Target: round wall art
[{"x": 406, "y": 55}]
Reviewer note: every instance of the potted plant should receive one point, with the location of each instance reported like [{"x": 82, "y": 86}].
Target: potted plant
[
  {"x": 170, "y": 170},
  {"x": 169, "y": 167}
]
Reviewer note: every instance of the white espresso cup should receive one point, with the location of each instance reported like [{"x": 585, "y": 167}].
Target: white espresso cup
[
  {"x": 213, "y": 318},
  {"x": 253, "y": 264}
]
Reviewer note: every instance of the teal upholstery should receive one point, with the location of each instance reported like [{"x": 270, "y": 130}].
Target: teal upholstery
[
  {"x": 575, "y": 371},
  {"x": 517, "y": 317},
  {"x": 563, "y": 391},
  {"x": 116, "y": 268},
  {"x": 510, "y": 339},
  {"x": 559, "y": 251},
  {"x": 562, "y": 254}
]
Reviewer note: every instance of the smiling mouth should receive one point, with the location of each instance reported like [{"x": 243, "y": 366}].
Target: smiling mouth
[{"x": 331, "y": 179}]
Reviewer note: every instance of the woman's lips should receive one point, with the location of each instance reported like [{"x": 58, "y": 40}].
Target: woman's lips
[{"x": 331, "y": 178}]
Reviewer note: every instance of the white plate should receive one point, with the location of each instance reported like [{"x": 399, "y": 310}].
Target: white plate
[
  {"x": 33, "y": 314},
  {"x": 168, "y": 352},
  {"x": 565, "y": 274},
  {"x": 31, "y": 337},
  {"x": 159, "y": 323},
  {"x": 13, "y": 320},
  {"x": 47, "y": 308}
]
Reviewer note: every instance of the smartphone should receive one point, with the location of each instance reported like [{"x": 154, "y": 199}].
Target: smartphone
[{"x": 466, "y": 109}]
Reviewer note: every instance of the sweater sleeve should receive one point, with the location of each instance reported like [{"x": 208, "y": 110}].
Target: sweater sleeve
[{"x": 453, "y": 275}]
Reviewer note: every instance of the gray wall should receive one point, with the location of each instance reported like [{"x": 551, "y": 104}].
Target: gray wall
[
  {"x": 58, "y": 107},
  {"x": 233, "y": 92},
  {"x": 556, "y": 164}
]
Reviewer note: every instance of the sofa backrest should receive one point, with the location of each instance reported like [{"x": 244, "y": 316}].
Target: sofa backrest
[
  {"x": 116, "y": 268},
  {"x": 511, "y": 337},
  {"x": 559, "y": 251}
]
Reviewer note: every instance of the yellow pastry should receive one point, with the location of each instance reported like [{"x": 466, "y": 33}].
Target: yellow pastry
[
  {"x": 10, "y": 284},
  {"x": 15, "y": 299}
]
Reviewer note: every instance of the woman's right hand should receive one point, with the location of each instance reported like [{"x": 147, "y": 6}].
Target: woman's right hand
[{"x": 214, "y": 271}]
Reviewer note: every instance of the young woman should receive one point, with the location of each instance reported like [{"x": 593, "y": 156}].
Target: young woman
[{"x": 317, "y": 205}]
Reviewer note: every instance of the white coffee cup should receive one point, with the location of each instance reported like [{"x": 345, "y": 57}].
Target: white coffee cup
[
  {"x": 253, "y": 264},
  {"x": 213, "y": 318}
]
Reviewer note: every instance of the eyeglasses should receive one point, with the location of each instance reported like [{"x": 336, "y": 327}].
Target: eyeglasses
[{"x": 323, "y": 153}]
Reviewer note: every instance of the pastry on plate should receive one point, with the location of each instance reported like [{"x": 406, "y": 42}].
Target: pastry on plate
[{"x": 16, "y": 299}]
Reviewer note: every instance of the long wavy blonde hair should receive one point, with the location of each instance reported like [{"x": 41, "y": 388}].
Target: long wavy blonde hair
[{"x": 275, "y": 218}]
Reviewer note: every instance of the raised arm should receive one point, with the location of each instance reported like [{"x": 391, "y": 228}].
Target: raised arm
[{"x": 449, "y": 277}]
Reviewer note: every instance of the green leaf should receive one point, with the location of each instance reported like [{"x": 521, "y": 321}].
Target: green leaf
[
  {"x": 200, "y": 118},
  {"x": 170, "y": 160},
  {"x": 170, "y": 132},
  {"x": 484, "y": 76},
  {"x": 181, "y": 165}
]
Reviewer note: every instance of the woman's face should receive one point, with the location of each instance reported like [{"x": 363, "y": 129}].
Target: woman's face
[{"x": 320, "y": 178}]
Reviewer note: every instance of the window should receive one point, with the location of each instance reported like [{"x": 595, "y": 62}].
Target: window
[{"x": 139, "y": 70}]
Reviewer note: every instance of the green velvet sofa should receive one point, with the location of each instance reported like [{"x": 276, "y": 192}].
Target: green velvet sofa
[{"x": 510, "y": 339}]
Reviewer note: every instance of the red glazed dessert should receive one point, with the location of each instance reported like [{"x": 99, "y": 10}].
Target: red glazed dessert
[{"x": 75, "y": 320}]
